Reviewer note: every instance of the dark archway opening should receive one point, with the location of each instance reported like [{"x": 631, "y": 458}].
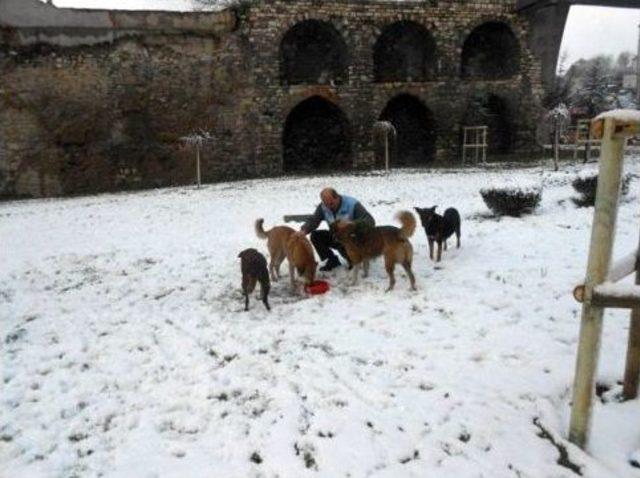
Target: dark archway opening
[
  {"x": 405, "y": 51},
  {"x": 316, "y": 137},
  {"x": 490, "y": 52},
  {"x": 313, "y": 52},
  {"x": 415, "y": 141},
  {"x": 492, "y": 111}
]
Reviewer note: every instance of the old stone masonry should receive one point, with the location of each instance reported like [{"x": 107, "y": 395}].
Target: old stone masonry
[{"x": 94, "y": 100}]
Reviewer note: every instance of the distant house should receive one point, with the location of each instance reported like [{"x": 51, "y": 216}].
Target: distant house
[{"x": 630, "y": 81}]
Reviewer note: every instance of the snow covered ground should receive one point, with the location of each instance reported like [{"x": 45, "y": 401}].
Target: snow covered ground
[{"x": 126, "y": 352}]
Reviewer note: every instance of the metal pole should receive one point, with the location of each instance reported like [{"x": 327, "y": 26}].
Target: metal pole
[{"x": 602, "y": 237}]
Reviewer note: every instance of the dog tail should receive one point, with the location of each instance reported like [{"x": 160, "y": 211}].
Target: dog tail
[
  {"x": 260, "y": 230},
  {"x": 408, "y": 222}
]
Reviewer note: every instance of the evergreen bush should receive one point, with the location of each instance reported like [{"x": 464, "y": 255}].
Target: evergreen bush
[
  {"x": 586, "y": 184},
  {"x": 511, "y": 200}
]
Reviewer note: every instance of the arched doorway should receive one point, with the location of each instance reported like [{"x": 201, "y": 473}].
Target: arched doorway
[
  {"x": 405, "y": 51},
  {"x": 316, "y": 137},
  {"x": 490, "y": 52},
  {"x": 313, "y": 52},
  {"x": 415, "y": 127},
  {"x": 494, "y": 112}
]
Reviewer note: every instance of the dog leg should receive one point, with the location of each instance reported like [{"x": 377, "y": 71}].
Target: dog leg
[
  {"x": 292, "y": 273},
  {"x": 389, "y": 265},
  {"x": 445, "y": 244},
  {"x": 458, "y": 238},
  {"x": 407, "y": 268},
  {"x": 279, "y": 261},
  {"x": 272, "y": 268},
  {"x": 356, "y": 272},
  {"x": 431, "y": 249},
  {"x": 248, "y": 285},
  {"x": 439, "y": 253},
  {"x": 264, "y": 292},
  {"x": 365, "y": 267}
]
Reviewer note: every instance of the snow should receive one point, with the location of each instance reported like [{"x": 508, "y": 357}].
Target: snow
[
  {"x": 126, "y": 351},
  {"x": 626, "y": 116},
  {"x": 613, "y": 289}
]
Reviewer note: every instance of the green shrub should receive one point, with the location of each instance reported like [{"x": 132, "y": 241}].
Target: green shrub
[
  {"x": 586, "y": 184},
  {"x": 511, "y": 200}
]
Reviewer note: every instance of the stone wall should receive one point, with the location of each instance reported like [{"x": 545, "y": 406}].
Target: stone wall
[{"x": 106, "y": 109}]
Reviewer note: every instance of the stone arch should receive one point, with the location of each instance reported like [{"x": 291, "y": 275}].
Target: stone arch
[
  {"x": 491, "y": 51},
  {"x": 493, "y": 111},
  {"x": 404, "y": 51},
  {"x": 316, "y": 137},
  {"x": 313, "y": 52},
  {"x": 415, "y": 127}
]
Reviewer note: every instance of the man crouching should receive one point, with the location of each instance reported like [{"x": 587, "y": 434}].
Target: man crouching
[{"x": 333, "y": 207}]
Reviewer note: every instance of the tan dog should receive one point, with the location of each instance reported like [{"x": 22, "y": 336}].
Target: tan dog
[
  {"x": 300, "y": 256},
  {"x": 388, "y": 241},
  {"x": 282, "y": 243},
  {"x": 277, "y": 238}
]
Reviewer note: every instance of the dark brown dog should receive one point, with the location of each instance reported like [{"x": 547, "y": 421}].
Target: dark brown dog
[
  {"x": 254, "y": 269},
  {"x": 439, "y": 228},
  {"x": 283, "y": 242},
  {"x": 364, "y": 244}
]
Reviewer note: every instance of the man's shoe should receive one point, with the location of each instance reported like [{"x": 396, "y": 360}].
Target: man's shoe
[{"x": 330, "y": 265}]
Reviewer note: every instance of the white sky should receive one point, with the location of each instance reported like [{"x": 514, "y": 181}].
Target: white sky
[{"x": 589, "y": 31}]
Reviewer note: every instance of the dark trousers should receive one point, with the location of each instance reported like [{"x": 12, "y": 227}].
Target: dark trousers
[{"x": 324, "y": 241}]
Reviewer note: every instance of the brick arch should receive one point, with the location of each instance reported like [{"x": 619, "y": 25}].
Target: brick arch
[
  {"x": 316, "y": 136},
  {"x": 495, "y": 110},
  {"x": 490, "y": 50},
  {"x": 313, "y": 50},
  {"x": 380, "y": 25},
  {"x": 416, "y": 127},
  {"x": 405, "y": 50}
]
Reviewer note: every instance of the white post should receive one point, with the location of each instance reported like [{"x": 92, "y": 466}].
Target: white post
[{"x": 600, "y": 248}]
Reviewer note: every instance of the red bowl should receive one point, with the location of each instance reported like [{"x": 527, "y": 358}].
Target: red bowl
[{"x": 317, "y": 287}]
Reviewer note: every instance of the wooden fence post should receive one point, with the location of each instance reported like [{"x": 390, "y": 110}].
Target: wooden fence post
[
  {"x": 632, "y": 367},
  {"x": 600, "y": 249}
]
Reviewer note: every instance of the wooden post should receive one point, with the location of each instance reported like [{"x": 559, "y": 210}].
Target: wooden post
[
  {"x": 386, "y": 150},
  {"x": 632, "y": 367},
  {"x": 484, "y": 145},
  {"x": 464, "y": 145},
  {"x": 475, "y": 141},
  {"x": 602, "y": 237},
  {"x": 556, "y": 145},
  {"x": 198, "y": 164}
]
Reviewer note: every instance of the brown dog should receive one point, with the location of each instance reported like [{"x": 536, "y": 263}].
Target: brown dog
[
  {"x": 282, "y": 243},
  {"x": 253, "y": 266},
  {"x": 388, "y": 241}
]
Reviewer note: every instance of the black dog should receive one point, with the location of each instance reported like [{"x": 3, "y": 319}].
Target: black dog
[
  {"x": 439, "y": 228},
  {"x": 254, "y": 269}
]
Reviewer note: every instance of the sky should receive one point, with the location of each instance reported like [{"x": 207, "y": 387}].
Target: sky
[{"x": 589, "y": 31}]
